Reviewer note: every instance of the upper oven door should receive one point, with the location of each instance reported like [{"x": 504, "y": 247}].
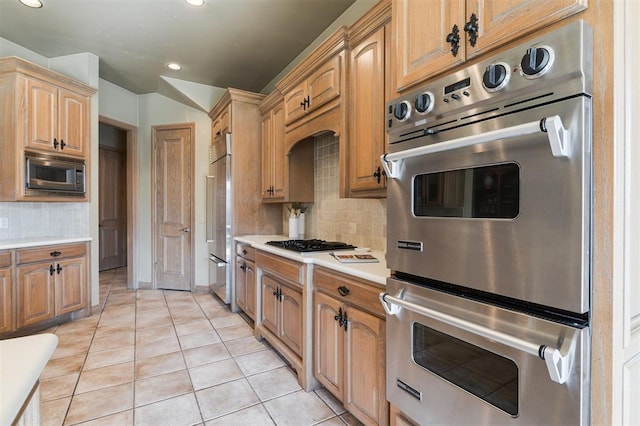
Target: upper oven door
[{"x": 508, "y": 215}]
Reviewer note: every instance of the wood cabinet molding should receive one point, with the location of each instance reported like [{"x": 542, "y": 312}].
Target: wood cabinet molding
[
  {"x": 270, "y": 101},
  {"x": 234, "y": 95},
  {"x": 374, "y": 19},
  {"x": 336, "y": 43},
  {"x": 14, "y": 64}
]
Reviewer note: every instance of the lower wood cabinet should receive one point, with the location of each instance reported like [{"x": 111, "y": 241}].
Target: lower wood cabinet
[
  {"x": 398, "y": 418},
  {"x": 6, "y": 293},
  {"x": 50, "y": 281},
  {"x": 282, "y": 312},
  {"x": 245, "y": 282},
  {"x": 349, "y": 344}
]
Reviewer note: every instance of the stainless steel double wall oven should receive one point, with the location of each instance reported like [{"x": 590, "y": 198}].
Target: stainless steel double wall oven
[{"x": 489, "y": 225}]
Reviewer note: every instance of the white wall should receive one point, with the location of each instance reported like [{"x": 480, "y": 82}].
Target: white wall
[{"x": 154, "y": 110}]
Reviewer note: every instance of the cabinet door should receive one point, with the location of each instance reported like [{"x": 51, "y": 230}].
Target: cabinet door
[
  {"x": 267, "y": 156},
  {"x": 41, "y": 120},
  {"x": 294, "y": 102},
  {"x": 72, "y": 122},
  {"x": 35, "y": 293},
  {"x": 70, "y": 285},
  {"x": 365, "y": 367},
  {"x": 270, "y": 304},
  {"x": 500, "y": 22},
  {"x": 280, "y": 172},
  {"x": 420, "y": 31},
  {"x": 250, "y": 290},
  {"x": 366, "y": 100},
  {"x": 6, "y": 301},
  {"x": 291, "y": 318},
  {"x": 225, "y": 120},
  {"x": 324, "y": 84},
  {"x": 328, "y": 344},
  {"x": 241, "y": 284}
]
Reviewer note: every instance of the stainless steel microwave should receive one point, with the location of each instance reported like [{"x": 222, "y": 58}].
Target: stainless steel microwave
[{"x": 51, "y": 174}]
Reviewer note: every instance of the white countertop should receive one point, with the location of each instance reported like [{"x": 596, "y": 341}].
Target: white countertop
[
  {"x": 35, "y": 242},
  {"x": 375, "y": 272},
  {"x": 21, "y": 362}
]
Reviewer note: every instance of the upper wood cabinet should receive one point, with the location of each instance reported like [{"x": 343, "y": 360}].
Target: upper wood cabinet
[
  {"x": 431, "y": 37},
  {"x": 222, "y": 123},
  {"x": 42, "y": 111},
  {"x": 286, "y": 176},
  {"x": 368, "y": 72},
  {"x": 320, "y": 87},
  {"x": 56, "y": 119}
]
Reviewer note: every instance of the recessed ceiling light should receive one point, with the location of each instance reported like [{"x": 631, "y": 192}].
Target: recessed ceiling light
[
  {"x": 174, "y": 66},
  {"x": 36, "y": 4},
  {"x": 195, "y": 2}
]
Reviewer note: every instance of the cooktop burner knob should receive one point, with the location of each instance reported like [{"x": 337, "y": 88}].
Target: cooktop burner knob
[
  {"x": 424, "y": 102},
  {"x": 495, "y": 77},
  {"x": 536, "y": 61},
  {"x": 402, "y": 111}
]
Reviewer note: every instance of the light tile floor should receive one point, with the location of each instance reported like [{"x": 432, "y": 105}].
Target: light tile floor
[{"x": 158, "y": 358}]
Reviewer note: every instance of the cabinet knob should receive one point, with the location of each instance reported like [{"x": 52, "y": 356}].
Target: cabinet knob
[
  {"x": 51, "y": 270},
  {"x": 55, "y": 253},
  {"x": 55, "y": 143},
  {"x": 62, "y": 144},
  {"x": 58, "y": 269},
  {"x": 343, "y": 290},
  {"x": 339, "y": 316},
  {"x": 453, "y": 38},
  {"x": 471, "y": 28}
]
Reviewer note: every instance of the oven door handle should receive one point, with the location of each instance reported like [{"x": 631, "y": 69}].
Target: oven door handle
[
  {"x": 558, "y": 360},
  {"x": 559, "y": 141}
]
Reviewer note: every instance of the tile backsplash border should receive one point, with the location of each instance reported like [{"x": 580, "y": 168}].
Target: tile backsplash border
[{"x": 358, "y": 221}]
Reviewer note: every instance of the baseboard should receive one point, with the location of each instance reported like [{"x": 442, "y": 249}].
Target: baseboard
[{"x": 145, "y": 285}]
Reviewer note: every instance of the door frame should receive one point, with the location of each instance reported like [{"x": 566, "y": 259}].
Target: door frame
[
  {"x": 132, "y": 196},
  {"x": 192, "y": 222}
]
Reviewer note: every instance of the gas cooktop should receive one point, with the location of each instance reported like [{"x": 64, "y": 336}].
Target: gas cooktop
[{"x": 310, "y": 246}]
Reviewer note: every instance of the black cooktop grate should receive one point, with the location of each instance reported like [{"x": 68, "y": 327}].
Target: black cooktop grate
[{"x": 304, "y": 246}]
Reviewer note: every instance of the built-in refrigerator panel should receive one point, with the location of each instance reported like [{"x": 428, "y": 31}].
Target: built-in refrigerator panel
[{"x": 219, "y": 233}]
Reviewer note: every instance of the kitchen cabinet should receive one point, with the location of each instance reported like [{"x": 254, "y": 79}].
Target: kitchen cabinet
[
  {"x": 368, "y": 71},
  {"x": 6, "y": 293},
  {"x": 221, "y": 123},
  {"x": 286, "y": 176},
  {"x": 398, "y": 418},
  {"x": 50, "y": 281},
  {"x": 284, "y": 312},
  {"x": 56, "y": 119},
  {"x": 349, "y": 343},
  {"x": 245, "y": 280},
  {"x": 44, "y": 112},
  {"x": 458, "y": 30},
  {"x": 238, "y": 114},
  {"x": 322, "y": 86}
]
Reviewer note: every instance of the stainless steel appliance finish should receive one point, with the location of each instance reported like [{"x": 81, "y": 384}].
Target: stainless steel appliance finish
[
  {"x": 489, "y": 239},
  {"x": 484, "y": 369},
  {"x": 491, "y": 190},
  {"x": 219, "y": 232},
  {"x": 48, "y": 174}
]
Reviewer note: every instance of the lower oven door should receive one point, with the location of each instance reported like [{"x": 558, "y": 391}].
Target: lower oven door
[{"x": 456, "y": 361}]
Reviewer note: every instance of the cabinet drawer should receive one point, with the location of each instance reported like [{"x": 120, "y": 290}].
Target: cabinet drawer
[
  {"x": 280, "y": 266},
  {"x": 49, "y": 253},
  {"x": 5, "y": 259},
  {"x": 350, "y": 290}
]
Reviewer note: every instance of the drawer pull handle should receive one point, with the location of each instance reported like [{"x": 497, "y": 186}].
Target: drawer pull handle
[
  {"x": 55, "y": 253},
  {"x": 58, "y": 269},
  {"x": 51, "y": 270},
  {"x": 343, "y": 290}
]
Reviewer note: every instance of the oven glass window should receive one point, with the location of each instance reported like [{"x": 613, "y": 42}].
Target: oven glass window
[
  {"x": 478, "y": 371},
  {"x": 51, "y": 174},
  {"x": 479, "y": 192}
]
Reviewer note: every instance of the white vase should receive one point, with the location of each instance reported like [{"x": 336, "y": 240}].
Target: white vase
[
  {"x": 301, "y": 230},
  {"x": 293, "y": 228}
]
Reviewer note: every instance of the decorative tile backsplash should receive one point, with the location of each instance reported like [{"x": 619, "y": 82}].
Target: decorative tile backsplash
[
  {"x": 361, "y": 222},
  {"x": 41, "y": 220}
]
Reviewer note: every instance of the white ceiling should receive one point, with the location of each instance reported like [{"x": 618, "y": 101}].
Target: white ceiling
[{"x": 225, "y": 43}]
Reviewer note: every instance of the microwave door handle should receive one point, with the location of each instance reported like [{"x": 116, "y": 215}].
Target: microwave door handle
[
  {"x": 558, "y": 136},
  {"x": 557, "y": 360}
]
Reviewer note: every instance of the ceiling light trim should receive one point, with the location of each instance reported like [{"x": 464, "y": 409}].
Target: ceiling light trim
[
  {"x": 196, "y": 3},
  {"x": 174, "y": 66},
  {"x": 35, "y": 4}
]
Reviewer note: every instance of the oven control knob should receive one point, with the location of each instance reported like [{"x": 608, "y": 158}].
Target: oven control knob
[
  {"x": 536, "y": 61},
  {"x": 495, "y": 77},
  {"x": 424, "y": 102},
  {"x": 402, "y": 111}
]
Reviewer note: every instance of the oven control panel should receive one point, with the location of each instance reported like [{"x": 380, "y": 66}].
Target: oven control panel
[{"x": 543, "y": 67}]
